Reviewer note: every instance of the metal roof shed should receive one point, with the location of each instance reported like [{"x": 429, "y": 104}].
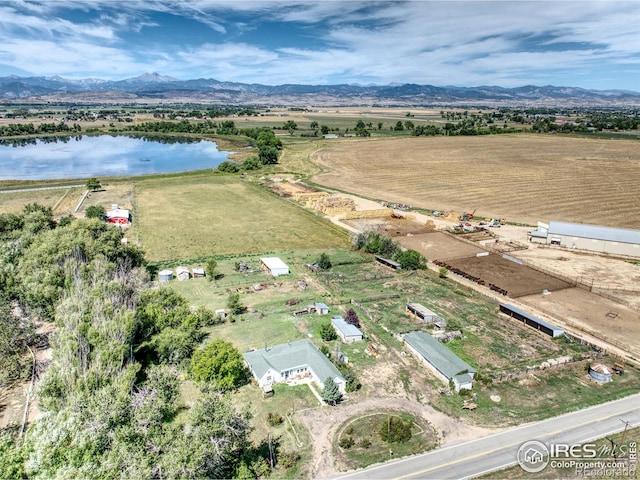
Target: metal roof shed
[
  {"x": 622, "y": 235},
  {"x": 443, "y": 361},
  {"x": 531, "y": 320},
  {"x": 275, "y": 266},
  {"x": 349, "y": 333}
]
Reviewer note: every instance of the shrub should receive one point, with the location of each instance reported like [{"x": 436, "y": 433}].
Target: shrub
[
  {"x": 274, "y": 419},
  {"x": 365, "y": 443},
  {"x": 346, "y": 442},
  {"x": 288, "y": 459}
]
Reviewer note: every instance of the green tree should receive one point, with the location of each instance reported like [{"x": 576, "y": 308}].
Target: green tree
[
  {"x": 93, "y": 184},
  {"x": 327, "y": 332},
  {"x": 220, "y": 364},
  {"x": 443, "y": 272},
  {"x": 268, "y": 155},
  {"x": 395, "y": 430},
  {"x": 331, "y": 392},
  {"x": 313, "y": 125},
  {"x": 96, "y": 211},
  {"x": 324, "y": 262},
  {"x": 324, "y": 129},
  {"x": 211, "y": 269},
  {"x": 410, "y": 259},
  {"x": 399, "y": 126},
  {"x": 234, "y": 304}
]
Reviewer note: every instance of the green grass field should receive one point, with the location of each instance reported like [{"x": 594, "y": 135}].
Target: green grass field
[{"x": 201, "y": 215}]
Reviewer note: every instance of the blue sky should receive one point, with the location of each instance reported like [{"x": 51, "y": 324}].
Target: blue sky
[{"x": 586, "y": 43}]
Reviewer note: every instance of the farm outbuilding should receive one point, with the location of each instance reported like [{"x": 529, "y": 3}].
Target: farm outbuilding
[
  {"x": 165, "y": 275},
  {"x": 347, "y": 332},
  {"x": 321, "y": 308},
  {"x": 440, "y": 360},
  {"x": 531, "y": 320},
  {"x": 274, "y": 266},
  {"x": 600, "y": 373},
  {"x": 118, "y": 216},
  {"x": 614, "y": 241},
  {"x": 198, "y": 272},
  {"x": 182, "y": 273},
  {"x": 423, "y": 313},
  {"x": 388, "y": 262},
  {"x": 293, "y": 362}
]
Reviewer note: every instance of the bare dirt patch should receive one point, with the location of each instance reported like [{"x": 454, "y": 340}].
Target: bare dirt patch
[
  {"x": 591, "y": 312},
  {"x": 517, "y": 279},
  {"x": 440, "y": 246},
  {"x": 393, "y": 227}
]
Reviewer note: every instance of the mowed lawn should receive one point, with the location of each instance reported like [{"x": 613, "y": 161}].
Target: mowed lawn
[{"x": 196, "y": 216}]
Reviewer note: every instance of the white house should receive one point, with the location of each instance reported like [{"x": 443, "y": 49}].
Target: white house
[
  {"x": 293, "y": 362},
  {"x": 274, "y": 266}
]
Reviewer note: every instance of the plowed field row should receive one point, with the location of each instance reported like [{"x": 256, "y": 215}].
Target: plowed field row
[{"x": 525, "y": 178}]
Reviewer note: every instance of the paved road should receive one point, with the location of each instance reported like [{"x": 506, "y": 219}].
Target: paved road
[{"x": 469, "y": 459}]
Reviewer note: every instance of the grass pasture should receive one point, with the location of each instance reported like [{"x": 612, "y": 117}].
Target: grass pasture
[
  {"x": 61, "y": 200},
  {"x": 524, "y": 178},
  {"x": 201, "y": 215}
]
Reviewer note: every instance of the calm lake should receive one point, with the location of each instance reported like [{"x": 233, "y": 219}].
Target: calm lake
[{"x": 104, "y": 155}]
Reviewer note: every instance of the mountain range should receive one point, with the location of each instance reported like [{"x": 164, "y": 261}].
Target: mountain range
[{"x": 153, "y": 87}]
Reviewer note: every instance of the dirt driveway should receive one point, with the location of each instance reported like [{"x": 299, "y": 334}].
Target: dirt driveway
[{"x": 382, "y": 390}]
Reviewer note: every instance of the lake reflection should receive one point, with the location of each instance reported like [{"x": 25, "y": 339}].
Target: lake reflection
[{"x": 105, "y": 155}]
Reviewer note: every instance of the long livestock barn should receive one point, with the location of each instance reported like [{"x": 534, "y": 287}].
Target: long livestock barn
[
  {"x": 531, "y": 320},
  {"x": 615, "y": 241}
]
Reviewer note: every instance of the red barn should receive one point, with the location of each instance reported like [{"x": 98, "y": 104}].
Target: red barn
[{"x": 119, "y": 216}]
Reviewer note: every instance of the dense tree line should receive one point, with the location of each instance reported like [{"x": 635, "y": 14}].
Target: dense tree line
[
  {"x": 17, "y": 129},
  {"x": 109, "y": 400}
]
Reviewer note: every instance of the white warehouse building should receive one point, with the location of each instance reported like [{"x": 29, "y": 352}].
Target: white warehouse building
[{"x": 614, "y": 241}]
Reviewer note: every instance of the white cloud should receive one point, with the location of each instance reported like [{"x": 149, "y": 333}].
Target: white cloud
[{"x": 446, "y": 42}]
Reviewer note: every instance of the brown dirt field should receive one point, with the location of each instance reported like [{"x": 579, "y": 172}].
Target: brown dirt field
[
  {"x": 525, "y": 178},
  {"x": 591, "y": 313},
  {"x": 439, "y": 246},
  {"x": 390, "y": 226},
  {"x": 517, "y": 279}
]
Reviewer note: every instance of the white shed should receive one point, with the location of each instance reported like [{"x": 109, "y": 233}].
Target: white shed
[
  {"x": 275, "y": 266},
  {"x": 165, "y": 275},
  {"x": 182, "y": 273}
]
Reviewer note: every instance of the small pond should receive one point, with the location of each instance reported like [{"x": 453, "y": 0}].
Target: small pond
[{"x": 104, "y": 155}]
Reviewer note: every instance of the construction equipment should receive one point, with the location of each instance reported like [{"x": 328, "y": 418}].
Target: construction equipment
[
  {"x": 467, "y": 216},
  {"x": 496, "y": 222}
]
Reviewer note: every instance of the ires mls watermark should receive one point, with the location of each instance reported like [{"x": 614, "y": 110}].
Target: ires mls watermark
[{"x": 586, "y": 460}]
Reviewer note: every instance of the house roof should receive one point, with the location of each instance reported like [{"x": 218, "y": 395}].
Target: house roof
[
  {"x": 443, "y": 359},
  {"x": 347, "y": 329},
  {"x": 291, "y": 355},
  {"x": 273, "y": 263},
  {"x": 622, "y": 235},
  {"x": 323, "y": 306}
]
